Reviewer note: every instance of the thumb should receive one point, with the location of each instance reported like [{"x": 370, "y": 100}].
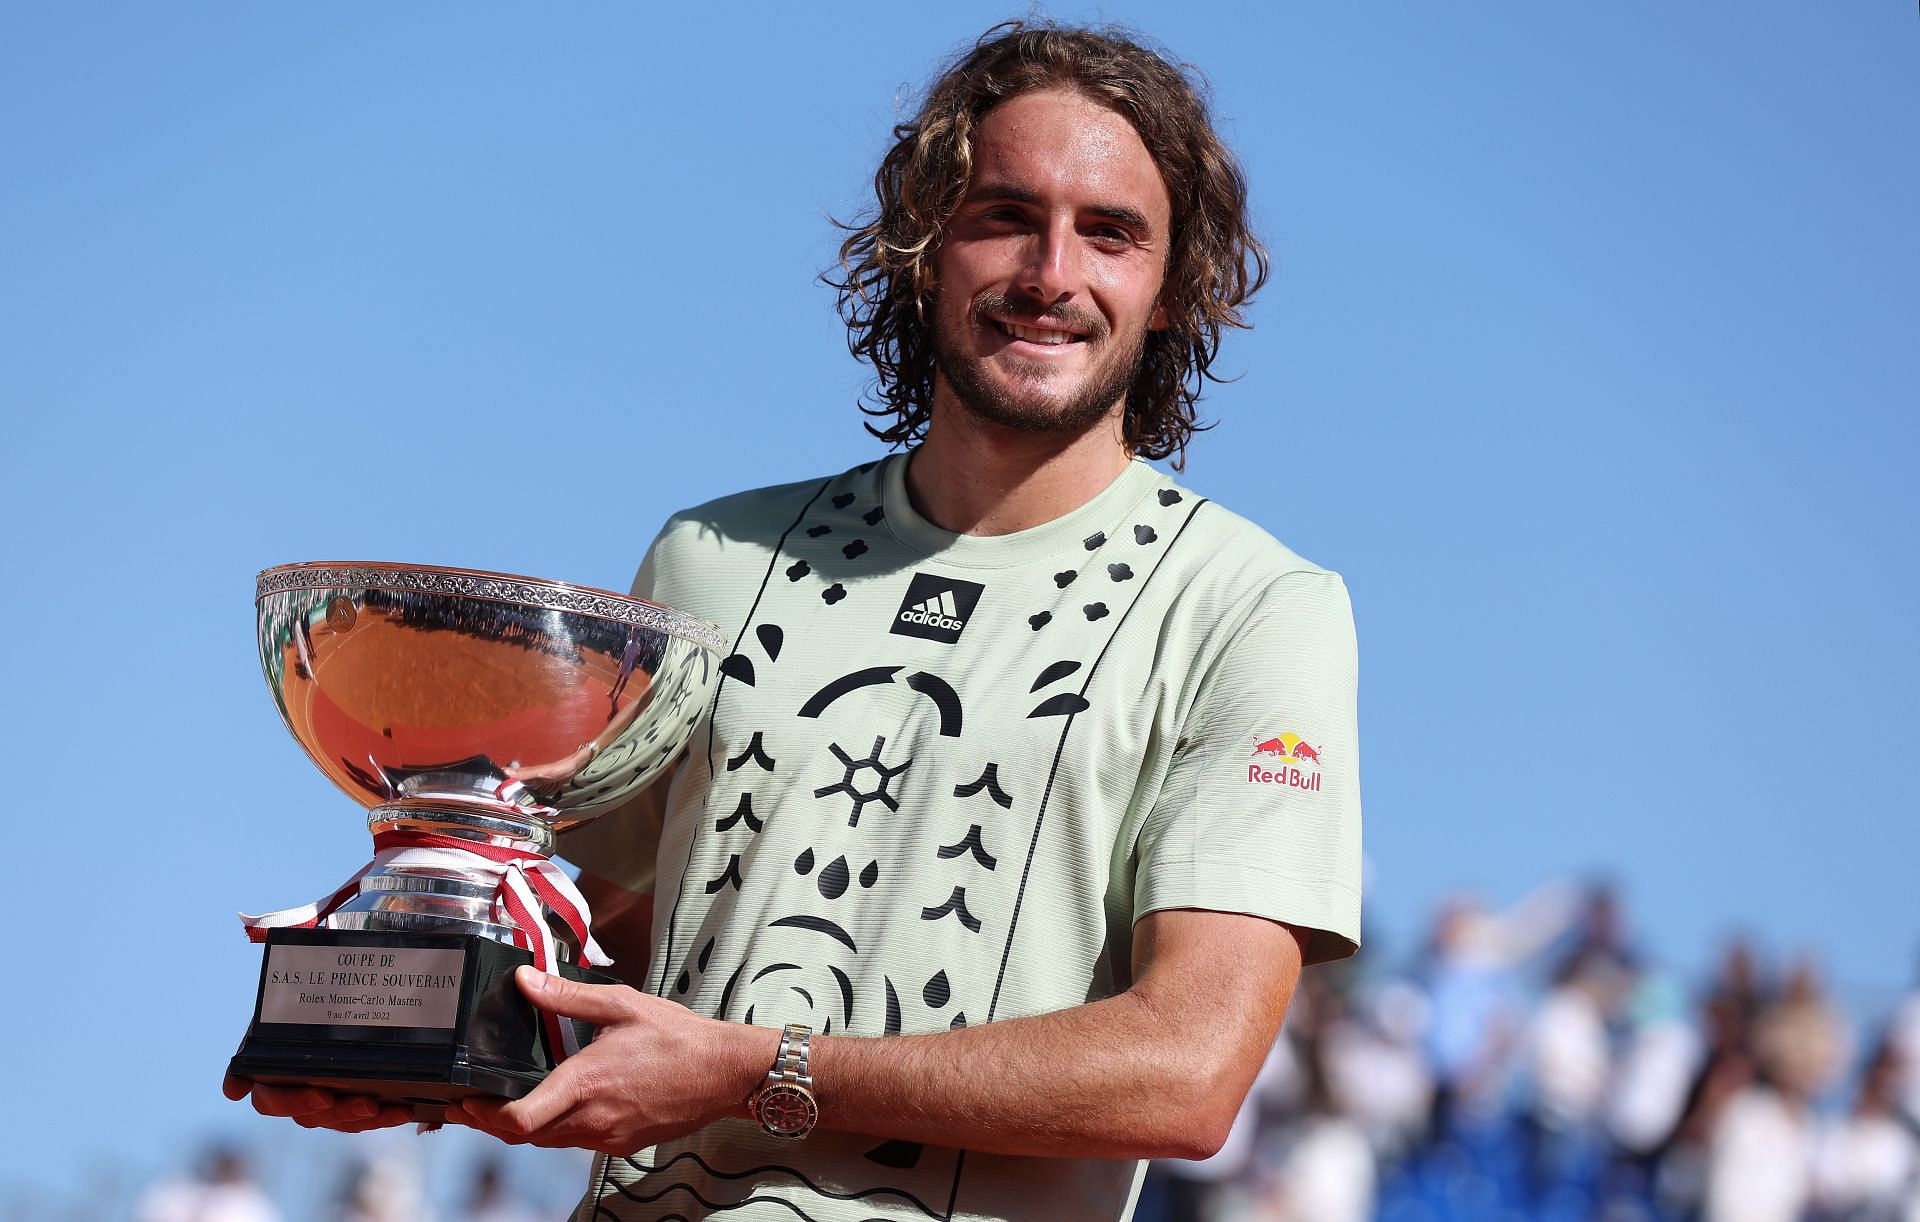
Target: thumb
[{"x": 598, "y": 1004}]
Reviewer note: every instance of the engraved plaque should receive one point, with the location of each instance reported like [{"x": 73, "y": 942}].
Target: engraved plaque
[{"x": 389, "y": 986}]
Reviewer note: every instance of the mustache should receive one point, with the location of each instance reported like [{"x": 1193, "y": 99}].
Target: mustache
[{"x": 992, "y": 305}]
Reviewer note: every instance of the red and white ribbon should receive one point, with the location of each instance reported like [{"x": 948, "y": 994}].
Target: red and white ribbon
[{"x": 522, "y": 883}]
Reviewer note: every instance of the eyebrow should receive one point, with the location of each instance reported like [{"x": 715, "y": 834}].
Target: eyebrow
[{"x": 1022, "y": 195}]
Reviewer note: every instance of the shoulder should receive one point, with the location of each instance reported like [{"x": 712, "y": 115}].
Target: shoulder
[
  {"x": 757, "y": 518},
  {"x": 704, "y": 557},
  {"x": 1234, "y": 569}
]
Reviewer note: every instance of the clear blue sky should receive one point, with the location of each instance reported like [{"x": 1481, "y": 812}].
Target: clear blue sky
[{"x": 1592, "y": 359}]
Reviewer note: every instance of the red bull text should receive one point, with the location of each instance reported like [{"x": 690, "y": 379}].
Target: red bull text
[
  {"x": 1302, "y": 773},
  {"x": 1291, "y": 777}
]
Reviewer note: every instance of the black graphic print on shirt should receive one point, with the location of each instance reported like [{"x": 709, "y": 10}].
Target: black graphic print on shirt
[{"x": 876, "y": 800}]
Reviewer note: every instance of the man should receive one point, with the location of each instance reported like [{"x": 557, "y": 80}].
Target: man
[{"x": 1027, "y": 761}]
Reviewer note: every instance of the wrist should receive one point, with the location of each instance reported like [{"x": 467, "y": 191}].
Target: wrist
[
  {"x": 784, "y": 1105},
  {"x": 741, "y": 1059}
]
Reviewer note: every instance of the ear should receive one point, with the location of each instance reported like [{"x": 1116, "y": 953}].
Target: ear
[{"x": 1157, "y": 321}]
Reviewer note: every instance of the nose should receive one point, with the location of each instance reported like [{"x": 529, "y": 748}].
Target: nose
[{"x": 1053, "y": 268}]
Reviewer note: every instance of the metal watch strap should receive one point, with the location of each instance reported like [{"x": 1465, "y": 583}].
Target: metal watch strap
[
  {"x": 784, "y": 1105},
  {"x": 790, "y": 1065}
]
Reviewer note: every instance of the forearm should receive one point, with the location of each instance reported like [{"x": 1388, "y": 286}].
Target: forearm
[
  {"x": 1158, "y": 1071},
  {"x": 1111, "y": 1079}
]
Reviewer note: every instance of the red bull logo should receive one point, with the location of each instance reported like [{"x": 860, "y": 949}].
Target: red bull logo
[{"x": 1297, "y": 763}]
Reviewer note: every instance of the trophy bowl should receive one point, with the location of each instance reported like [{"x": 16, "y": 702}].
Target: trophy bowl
[{"x": 475, "y": 715}]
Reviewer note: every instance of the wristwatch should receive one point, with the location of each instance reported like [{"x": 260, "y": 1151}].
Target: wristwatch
[{"x": 784, "y": 1105}]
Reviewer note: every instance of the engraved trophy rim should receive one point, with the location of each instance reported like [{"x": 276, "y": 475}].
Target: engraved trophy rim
[{"x": 512, "y": 588}]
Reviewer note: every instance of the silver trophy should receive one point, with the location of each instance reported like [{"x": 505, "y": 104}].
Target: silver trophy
[{"x": 476, "y": 714}]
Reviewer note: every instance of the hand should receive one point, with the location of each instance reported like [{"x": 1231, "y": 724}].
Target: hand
[
  {"x": 654, "y": 1071},
  {"x": 551, "y": 775},
  {"x": 314, "y": 1108}
]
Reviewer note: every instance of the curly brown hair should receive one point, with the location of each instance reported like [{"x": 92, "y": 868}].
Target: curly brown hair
[{"x": 886, "y": 282}]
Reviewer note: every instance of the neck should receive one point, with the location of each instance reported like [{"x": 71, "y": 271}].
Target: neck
[{"x": 976, "y": 478}]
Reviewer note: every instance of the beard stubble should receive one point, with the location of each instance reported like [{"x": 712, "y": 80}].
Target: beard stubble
[{"x": 1036, "y": 412}]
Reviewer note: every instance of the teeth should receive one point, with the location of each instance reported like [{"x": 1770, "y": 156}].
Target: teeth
[{"x": 1035, "y": 335}]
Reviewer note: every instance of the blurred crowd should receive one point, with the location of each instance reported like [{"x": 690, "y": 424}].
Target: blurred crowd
[
  {"x": 1528, "y": 1064},
  {"x": 223, "y": 1189},
  {"x": 1531, "y": 1064}
]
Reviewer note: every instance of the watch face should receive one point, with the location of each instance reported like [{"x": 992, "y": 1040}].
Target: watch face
[{"x": 786, "y": 1110}]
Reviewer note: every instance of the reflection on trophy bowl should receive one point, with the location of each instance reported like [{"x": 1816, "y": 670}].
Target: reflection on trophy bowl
[{"x": 493, "y": 709}]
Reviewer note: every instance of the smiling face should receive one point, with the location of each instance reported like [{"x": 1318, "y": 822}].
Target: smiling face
[{"x": 1050, "y": 271}]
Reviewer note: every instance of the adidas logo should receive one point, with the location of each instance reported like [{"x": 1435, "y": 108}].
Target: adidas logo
[
  {"x": 936, "y": 608},
  {"x": 936, "y": 612}
]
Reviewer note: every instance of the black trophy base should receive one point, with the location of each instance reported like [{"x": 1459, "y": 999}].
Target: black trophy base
[{"x": 413, "y": 1019}]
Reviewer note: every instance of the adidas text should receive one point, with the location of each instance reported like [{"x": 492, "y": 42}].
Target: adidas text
[{"x": 931, "y": 619}]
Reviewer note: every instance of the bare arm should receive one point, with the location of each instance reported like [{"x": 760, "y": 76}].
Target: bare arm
[{"x": 1157, "y": 1071}]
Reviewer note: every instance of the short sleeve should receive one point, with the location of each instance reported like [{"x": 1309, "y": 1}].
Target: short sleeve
[{"x": 1260, "y": 811}]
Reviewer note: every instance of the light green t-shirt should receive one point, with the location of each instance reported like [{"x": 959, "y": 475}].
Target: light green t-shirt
[{"x": 942, "y": 777}]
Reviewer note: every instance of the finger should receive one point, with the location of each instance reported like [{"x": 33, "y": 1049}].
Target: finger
[
  {"x": 360, "y": 1114},
  {"x": 353, "y": 1114},
  {"x": 271, "y": 1100},
  {"x": 473, "y": 1114},
  {"x": 235, "y": 1088},
  {"x": 311, "y": 1107},
  {"x": 563, "y": 1133},
  {"x": 387, "y": 1116},
  {"x": 484, "y": 1115},
  {"x": 559, "y": 1093},
  {"x": 599, "y": 1004},
  {"x": 385, "y": 1120}
]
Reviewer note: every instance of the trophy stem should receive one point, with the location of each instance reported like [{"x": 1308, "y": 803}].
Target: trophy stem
[
  {"x": 440, "y": 898},
  {"x": 499, "y": 827}
]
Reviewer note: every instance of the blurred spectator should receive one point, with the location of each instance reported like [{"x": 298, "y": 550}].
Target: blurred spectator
[
  {"x": 1761, "y": 1150},
  {"x": 1904, "y": 1035},
  {"x": 1657, "y": 1066},
  {"x": 222, "y": 1190},
  {"x": 1868, "y": 1165},
  {"x": 1600, "y": 934},
  {"x": 1570, "y": 1063},
  {"x": 1471, "y": 974},
  {"x": 1732, "y": 1002},
  {"x": 490, "y": 1200},
  {"x": 1800, "y": 1041},
  {"x": 1760, "y": 1158},
  {"x": 383, "y": 1190},
  {"x": 1739, "y": 990},
  {"x": 1375, "y": 1069},
  {"x": 1324, "y": 1170}
]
